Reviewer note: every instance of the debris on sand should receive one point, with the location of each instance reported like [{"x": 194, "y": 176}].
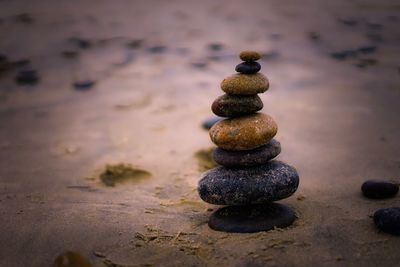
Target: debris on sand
[
  {"x": 205, "y": 159},
  {"x": 71, "y": 259},
  {"x": 114, "y": 174},
  {"x": 27, "y": 77},
  {"x": 84, "y": 85}
]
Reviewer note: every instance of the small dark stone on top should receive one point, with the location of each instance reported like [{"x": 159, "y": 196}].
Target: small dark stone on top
[
  {"x": 248, "y": 67},
  {"x": 27, "y": 77},
  {"x": 379, "y": 189},
  {"x": 208, "y": 123},
  {"x": 84, "y": 85},
  {"x": 247, "y": 158},
  {"x": 388, "y": 220},
  {"x": 157, "y": 49},
  {"x": 215, "y": 46},
  {"x": 251, "y": 219}
]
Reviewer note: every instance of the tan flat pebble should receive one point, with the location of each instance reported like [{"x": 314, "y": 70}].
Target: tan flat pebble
[
  {"x": 244, "y": 133},
  {"x": 249, "y": 56},
  {"x": 245, "y": 84}
]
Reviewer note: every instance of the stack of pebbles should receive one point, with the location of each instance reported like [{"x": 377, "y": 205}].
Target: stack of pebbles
[{"x": 248, "y": 180}]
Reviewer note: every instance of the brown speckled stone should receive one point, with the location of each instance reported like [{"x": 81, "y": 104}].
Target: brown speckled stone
[
  {"x": 249, "y": 56},
  {"x": 236, "y": 105},
  {"x": 245, "y": 84},
  {"x": 244, "y": 133}
]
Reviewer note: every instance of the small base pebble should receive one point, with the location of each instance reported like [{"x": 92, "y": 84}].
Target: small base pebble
[
  {"x": 208, "y": 123},
  {"x": 388, "y": 220},
  {"x": 251, "y": 219}
]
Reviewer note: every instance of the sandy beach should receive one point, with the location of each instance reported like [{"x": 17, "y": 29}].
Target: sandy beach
[{"x": 334, "y": 74}]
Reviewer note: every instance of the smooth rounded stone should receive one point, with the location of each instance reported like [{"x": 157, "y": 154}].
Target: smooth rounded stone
[
  {"x": 388, "y": 220},
  {"x": 247, "y": 158},
  {"x": 249, "y": 56},
  {"x": 251, "y": 185},
  {"x": 251, "y": 219},
  {"x": 243, "y": 133},
  {"x": 208, "y": 123},
  {"x": 379, "y": 189},
  {"x": 236, "y": 105},
  {"x": 245, "y": 84},
  {"x": 248, "y": 67}
]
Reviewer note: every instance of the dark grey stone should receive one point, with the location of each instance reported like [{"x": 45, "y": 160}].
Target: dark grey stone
[
  {"x": 388, "y": 220},
  {"x": 252, "y": 185},
  {"x": 248, "y": 67},
  {"x": 236, "y": 105},
  {"x": 247, "y": 158},
  {"x": 251, "y": 219},
  {"x": 379, "y": 189}
]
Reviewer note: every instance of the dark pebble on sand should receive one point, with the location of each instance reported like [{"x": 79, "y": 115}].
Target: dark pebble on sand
[
  {"x": 24, "y": 18},
  {"x": 135, "y": 44},
  {"x": 374, "y": 37},
  {"x": 251, "y": 219},
  {"x": 81, "y": 42},
  {"x": 208, "y": 123},
  {"x": 157, "y": 49},
  {"x": 349, "y": 21},
  {"x": 199, "y": 64},
  {"x": 248, "y": 67},
  {"x": 84, "y": 85},
  {"x": 215, "y": 46},
  {"x": 252, "y": 185},
  {"x": 247, "y": 158},
  {"x": 368, "y": 49},
  {"x": 379, "y": 189},
  {"x": 345, "y": 54},
  {"x": 70, "y": 54},
  {"x": 28, "y": 77},
  {"x": 314, "y": 36},
  {"x": 388, "y": 220},
  {"x": 236, "y": 105},
  {"x": 374, "y": 25}
]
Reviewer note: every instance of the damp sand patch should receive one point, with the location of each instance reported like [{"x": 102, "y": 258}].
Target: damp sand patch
[
  {"x": 205, "y": 159},
  {"x": 122, "y": 173}
]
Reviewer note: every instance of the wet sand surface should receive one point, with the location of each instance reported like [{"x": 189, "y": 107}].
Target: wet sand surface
[{"x": 156, "y": 76}]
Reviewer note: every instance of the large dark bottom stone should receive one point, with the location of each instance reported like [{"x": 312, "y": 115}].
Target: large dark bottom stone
[{"x": 251, "y": 219}]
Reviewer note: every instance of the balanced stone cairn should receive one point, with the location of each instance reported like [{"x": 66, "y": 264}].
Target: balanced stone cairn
[{"x": 248, "y": 180}]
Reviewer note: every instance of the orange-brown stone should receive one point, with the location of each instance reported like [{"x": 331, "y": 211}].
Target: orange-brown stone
[
  {"x": 245, "y": 84},
  {"x": 244, "y": 133}
]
